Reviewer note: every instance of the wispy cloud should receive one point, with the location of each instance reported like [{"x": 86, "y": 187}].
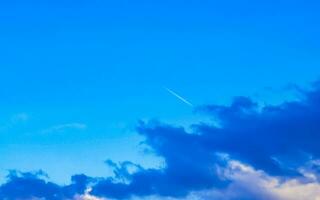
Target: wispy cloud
[
  {"x": 20, "y": 117},
  {"x": 64, "y": 127},
  {"x": 15, "y": 120}
]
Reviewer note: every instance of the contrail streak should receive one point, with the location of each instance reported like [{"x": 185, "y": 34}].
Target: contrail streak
[{"x": 179, "y": 97}]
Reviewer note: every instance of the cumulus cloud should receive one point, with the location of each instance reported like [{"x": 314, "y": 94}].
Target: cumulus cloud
[
  {"x": 249, "y": 183},
  {"x": 275, "y": 139},
  {"x": 247, "y": 152},
  {"x": 26, "y": 186}
]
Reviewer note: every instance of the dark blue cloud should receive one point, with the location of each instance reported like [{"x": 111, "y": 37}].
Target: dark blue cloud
[
  {"x": 189, "y": 166},
  {"x": 263, "y": 137},
  {"x": 30, "y": 185},
  {"x": 275, "y": 139}
]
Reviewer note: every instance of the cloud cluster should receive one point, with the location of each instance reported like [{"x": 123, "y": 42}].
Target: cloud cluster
[
  {"x": 248, "y": 152},
  {"x": 34, "y": 186}
]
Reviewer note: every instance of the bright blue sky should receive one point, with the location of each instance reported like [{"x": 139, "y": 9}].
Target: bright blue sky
[{"x": 76, "y": 76}]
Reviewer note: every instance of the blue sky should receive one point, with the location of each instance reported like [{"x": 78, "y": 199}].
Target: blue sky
[{"x": 77, "y": 76}]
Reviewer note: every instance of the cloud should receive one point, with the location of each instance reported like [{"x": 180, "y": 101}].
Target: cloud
[
  {"x": 14, "y": 121},
  {"x": 26, "y": 186},
  {"x": 188, "y": 167},
  {"x": 64, "y": 127},
  {"x": 275, "y": 139},
  {"x": 246, "y": 183},
  {"x": 247, "y": 152},
  {"x": 87, "y": 196},
  {"x": 20, "y": 117},
  {"x": 249, "y": 183}
]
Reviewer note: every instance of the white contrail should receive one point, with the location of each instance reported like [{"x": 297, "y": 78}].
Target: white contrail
[{"x": 179, "y": 97}]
